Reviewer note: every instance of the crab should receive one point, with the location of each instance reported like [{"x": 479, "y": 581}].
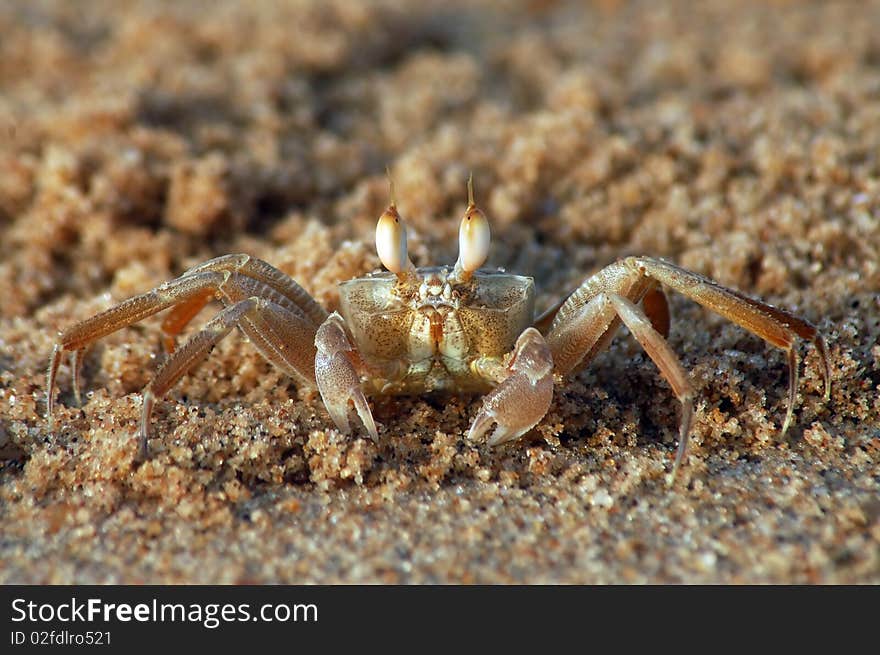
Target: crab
[{"x": 458, "y": 329}]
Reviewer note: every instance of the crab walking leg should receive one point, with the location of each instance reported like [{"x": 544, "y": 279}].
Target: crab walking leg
[
  {"x": 595, "y": 325},
  {"x": 654, "y": 303},
  {"x": 522, "y": 398},
  {"x": 291, "y": 323},
  {"x": 659, "y": 351},
  {"x": 186, "y": 357},
  {"x": 656, "y": 308},
  {"x": 76, "y": 364},
  {"x": 265, "y": 273},
  {"x": 285, "y": 336},
  {"x": 77, "y": 337},
  {"x": 180, "y": 315},
  {"x": 574, "y": 342},
  {"x": 286, "y": 339},
  {"x": 247, "y": 266},
  {"x": 582, "y": 327},
  {"x": 337, "y": 377},
  {"x": 773, "y": 325},
  {"x": 281, "y": 334}
]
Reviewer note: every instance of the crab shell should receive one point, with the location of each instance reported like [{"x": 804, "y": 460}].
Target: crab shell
[{"x": 430, "y": 332}]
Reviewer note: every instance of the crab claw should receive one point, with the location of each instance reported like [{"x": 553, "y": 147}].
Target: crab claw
[
  {"x": 338, "y": 381},
  {"x": 520, "y": 402}
]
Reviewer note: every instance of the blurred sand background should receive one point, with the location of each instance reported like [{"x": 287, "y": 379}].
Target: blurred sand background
[{"x": 740, "y": 140}]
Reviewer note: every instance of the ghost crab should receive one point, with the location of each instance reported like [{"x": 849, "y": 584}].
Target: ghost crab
[{"x": 413, "y": 330}]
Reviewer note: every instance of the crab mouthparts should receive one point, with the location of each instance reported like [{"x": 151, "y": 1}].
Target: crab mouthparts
[{"x": 435, "y": 290}]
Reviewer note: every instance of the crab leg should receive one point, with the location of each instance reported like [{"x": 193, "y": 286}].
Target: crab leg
[
  {"x": 596, "y": 323},
  {"x": 656, "y": 308},
  {"x": 337, "y": 376},
  {"x": 281, "y": 335},
  {"x": 231, "y": 279},
  {"x": 76, "y": 363},
  {"x": 523, "y": 396},
  {"x": 654, "y": 303},
  {"x": 178, "y": 318},
  {"x": 773, "y": 325},
  {"x": 587, "y": 321},
  {"x": 77, "y": 337},
  {"x": 180, "y": 315},
  {"x": 659, "y": 351},
  {"x": 581, "y": 329}
]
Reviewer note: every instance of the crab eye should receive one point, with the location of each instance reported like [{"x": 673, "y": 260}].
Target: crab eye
[
  {"x": 391, "y": 241},
  {"x": 473, "y": 240},
  {"x": 473, "y": 235}
]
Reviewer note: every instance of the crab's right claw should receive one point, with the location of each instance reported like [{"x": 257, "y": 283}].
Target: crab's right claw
[
  {"x": 520, "y": 402},
  {"x": 338, "y": 380}
]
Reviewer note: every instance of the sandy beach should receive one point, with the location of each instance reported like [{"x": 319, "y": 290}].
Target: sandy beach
[{"x": 738, "y": 140}]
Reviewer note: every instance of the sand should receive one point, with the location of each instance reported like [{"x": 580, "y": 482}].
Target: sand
[{"x": 739, "y": 140}]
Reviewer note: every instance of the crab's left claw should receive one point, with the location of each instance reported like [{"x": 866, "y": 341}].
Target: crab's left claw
[
  {"x": 523, "y": 397},
  {"x": 338, "y": 380}
]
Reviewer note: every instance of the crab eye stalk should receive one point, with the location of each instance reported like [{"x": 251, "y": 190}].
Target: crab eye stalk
[
  {"x": 473, "y": 237},
  {"x": 391, "y": 239}
]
